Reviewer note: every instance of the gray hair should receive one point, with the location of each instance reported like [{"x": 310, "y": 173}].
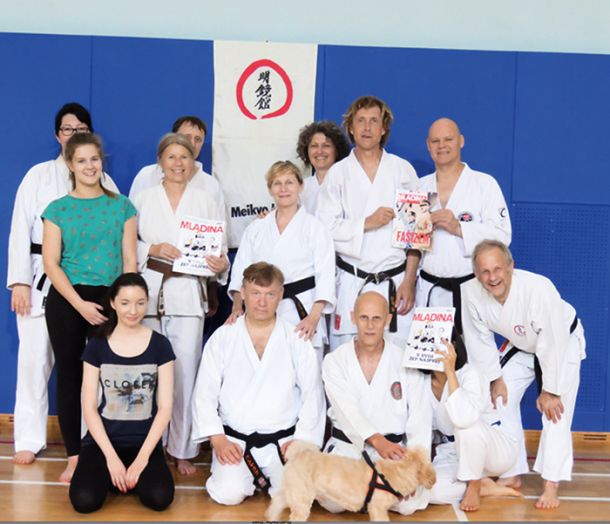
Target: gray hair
[
  {"x": 486, "y": 245},
  {"x": 174, "y": 138}
]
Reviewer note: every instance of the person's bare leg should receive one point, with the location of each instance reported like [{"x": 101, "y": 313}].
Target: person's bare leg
[
  {"x": 472, "y": 496},
  {"x": 511, "y": 482},
  {"x": 24, "y": 457},
  {"x": 550, "y": 496},
  {"x": 66, "y": 476},
  {"x": 185, "y": 467}
]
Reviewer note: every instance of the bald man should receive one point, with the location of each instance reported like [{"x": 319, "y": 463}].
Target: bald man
[
  {"x": 375, "y": 403},
  {"x": 470, "y": 208}
]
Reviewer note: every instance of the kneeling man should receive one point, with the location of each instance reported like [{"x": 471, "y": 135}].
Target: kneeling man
[
  {"x": 258, "y": 387},
  {"x": 376, "y": 404},
  {"x": 547, "y": 336}
]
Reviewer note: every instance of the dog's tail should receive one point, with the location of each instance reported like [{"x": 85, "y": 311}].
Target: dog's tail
[{"x": 276, "y": 507}]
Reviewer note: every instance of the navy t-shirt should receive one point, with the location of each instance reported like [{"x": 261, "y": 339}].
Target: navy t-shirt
[{"x": 129, "y": 386}]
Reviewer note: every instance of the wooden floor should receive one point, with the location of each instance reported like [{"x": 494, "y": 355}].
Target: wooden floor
[{"x": 32, "y": 493}]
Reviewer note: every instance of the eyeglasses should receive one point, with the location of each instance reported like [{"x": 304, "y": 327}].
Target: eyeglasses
[{"x": 69, "y": 131}]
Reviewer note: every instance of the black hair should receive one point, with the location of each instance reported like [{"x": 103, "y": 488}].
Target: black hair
[
  {"x": 190, "y": 119},
  {"x": 73, "y": 108},
  {"x": 124, "y": 280},
  {"x": 460, "y": 351}
]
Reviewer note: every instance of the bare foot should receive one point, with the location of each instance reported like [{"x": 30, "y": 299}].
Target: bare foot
[
  {"x": 66, "y": 476},
  {"x": 491, "y": 489},
  {"x": 24, "y": 457},
  {"x": 511, "y": 482},
  {"x": 472, "y": 499},
  {"x": 550, "y": 496},
  {"x": 185, "y": 467}
]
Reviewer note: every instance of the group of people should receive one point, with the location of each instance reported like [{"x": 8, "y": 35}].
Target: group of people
[{"x": 94, "y": 291}]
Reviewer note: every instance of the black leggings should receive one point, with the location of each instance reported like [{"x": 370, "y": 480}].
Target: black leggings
[
  {"x": 91, "y": 481},
  {"x": 69, "y": 332}
]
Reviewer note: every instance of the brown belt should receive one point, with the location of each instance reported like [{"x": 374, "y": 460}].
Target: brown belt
[{"x": 166, "y": 269}]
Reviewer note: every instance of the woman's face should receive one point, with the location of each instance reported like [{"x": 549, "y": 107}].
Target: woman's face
[
  {"x": 69, "y": 125},
  {"x": 130, "y": 305},
  {"x": 285, "y": 190},
  {"x": 86, "y": 164},
  {"x": 321, "y": 152},
  {"x": 177, "y": 163}
]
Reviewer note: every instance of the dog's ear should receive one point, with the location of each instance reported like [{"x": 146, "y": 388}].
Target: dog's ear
[{"x": 425, "y": 470}]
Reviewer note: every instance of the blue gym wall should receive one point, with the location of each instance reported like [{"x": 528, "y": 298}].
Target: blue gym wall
[{"x": 533, "y": 120}]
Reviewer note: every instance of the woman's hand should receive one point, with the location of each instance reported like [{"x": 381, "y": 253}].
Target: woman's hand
[
  {"x": 134, "y": 471},
  {"x": 447, "y": 357},
  {"x": 306, "y": 328},
  {"x": 117, "y": 473},
  {"x": 165, "y": 250},
  {"x": 21, "y": 299},
  {"x": 92, "y": 313},
  {"x": 238, "y": 309},
  {"x": 217, "y": 264}
]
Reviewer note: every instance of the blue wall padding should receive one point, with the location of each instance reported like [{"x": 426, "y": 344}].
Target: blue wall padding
[{"x": 534, "y": 121}]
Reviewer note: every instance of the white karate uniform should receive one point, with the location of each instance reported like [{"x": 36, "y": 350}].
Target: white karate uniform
[
  {"x": 535, "y": 319},
  {"x": 477, "y": 202},
  {"x": 236, "y": 388},
  {"x": 393, "y": 402},
  {"x": 480, "y": 448},
  {"x": 42, "y": 184},
  {"x": 183, "y": 299},
  {"x": 302, "y": 250},
  {"x": 309, "y": 196},
  {"x": 346, "y": 198}
]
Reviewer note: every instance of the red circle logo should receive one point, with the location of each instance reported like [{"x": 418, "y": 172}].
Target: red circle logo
[{"x": 264, "y": 89}]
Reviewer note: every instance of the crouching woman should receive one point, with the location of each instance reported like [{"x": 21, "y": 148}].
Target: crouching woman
[{"x": 135, "y": 366}]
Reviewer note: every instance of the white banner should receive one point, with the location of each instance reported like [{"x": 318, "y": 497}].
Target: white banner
[{"x": 263, "y": 95}]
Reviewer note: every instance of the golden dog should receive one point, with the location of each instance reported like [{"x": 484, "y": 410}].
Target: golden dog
[{"x": 310, "y": 474}]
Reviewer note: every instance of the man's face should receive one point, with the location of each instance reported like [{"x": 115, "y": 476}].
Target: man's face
[
  {"x": 261, "y": 301},
  {"x": 367, "y": 128},
  {"x": 444, "y": 142},
  {"x": 69, "y": 125},
  {"x": 195, "y": 135},
  {"x": 370, "y": 316},
  {"x": 495, "y": 273}
]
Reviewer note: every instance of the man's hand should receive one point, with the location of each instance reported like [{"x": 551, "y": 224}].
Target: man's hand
[
  {"x": 405, "y": 297},
  {"x": 381, "y": 217},
  {"x": 550, "y": 405},
  {"x": 227, "y": 452},
  {"x": 445, "y": 219},
  {"x": 385, "y": 448},
  {"x": 21, "y": 299},
  {"x": 498, "y": 389}
]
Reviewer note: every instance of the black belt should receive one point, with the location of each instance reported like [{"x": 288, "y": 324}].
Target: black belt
[
  {"x": 259, "y": 440},
  {"x": 537, "y": 369},
  {"x": 36, "y": 249},
  {"x": 449, "y": 284},
  {"x": 377, "y": 278},
  {"x": 392, "y": 437},
  {"x": 292, "y": 289}
]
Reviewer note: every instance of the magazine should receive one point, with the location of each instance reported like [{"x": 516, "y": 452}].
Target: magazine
[
  {"x": 412, "y": 226},
  {"x": 197, "y": 239},
  {"x": 430, "y": 325}
]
